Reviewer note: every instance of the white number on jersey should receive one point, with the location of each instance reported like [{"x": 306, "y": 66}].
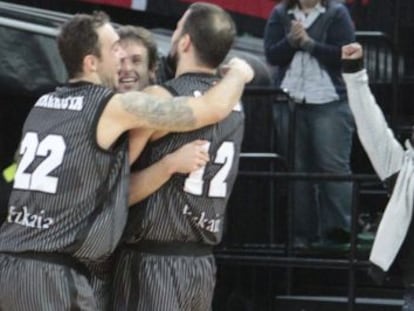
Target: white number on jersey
[
  {"x": 52, "y": 149},
  {"x": 218, "y": 184}
]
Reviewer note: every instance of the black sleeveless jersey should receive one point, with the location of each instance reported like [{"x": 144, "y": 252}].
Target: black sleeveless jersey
[
  {"x": 191, "y": 208},
  {"x": 69, "y": 195}
]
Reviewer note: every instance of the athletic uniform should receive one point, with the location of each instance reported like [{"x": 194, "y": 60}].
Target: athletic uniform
[
  {"x": 68, "y": 207},
  {"x": 166, "y": 262}
]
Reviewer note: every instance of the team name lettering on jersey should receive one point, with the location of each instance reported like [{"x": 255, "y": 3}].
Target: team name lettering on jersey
[
  {"x": 26, "y": 219},
  {"x": 74, "y": 103},
  {"x": 212, "y": 225}
]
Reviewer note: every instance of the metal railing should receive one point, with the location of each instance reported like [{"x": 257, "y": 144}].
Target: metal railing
[
  {"x": 270, "y": 253},
  {"x": 382, "y": 61}
]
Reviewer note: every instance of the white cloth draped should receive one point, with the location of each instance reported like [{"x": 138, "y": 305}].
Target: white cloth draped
[{"x": 388, "y": 157}]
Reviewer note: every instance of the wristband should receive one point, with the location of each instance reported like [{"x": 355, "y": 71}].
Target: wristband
[{"x": 352, "y": 65}]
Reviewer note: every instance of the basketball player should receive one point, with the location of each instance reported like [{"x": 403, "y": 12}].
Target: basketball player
[
  {"x": 138, "y": 69},
  {"x": 137, "y": 72},
  {"x": 139, "y": 64},
  {"x": 167, "y": 261},
  {"x": 68, "y": 206}
]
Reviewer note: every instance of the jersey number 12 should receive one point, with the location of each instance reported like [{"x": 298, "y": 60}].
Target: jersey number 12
[{"x": 218, "y": 184}]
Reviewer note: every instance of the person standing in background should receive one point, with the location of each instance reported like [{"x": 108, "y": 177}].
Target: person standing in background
[{"x": 303, "y": 38}]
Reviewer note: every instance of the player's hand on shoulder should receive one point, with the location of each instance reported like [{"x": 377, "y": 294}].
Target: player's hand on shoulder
[{"x": 239, "y": 67}]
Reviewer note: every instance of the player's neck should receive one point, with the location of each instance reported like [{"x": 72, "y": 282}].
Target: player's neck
[
  {"x": 88, "y": 78},
  {"x": 193, "y": 67}
]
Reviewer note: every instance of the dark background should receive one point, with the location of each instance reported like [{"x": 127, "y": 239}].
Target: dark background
[{"x": 250, "y": 209}]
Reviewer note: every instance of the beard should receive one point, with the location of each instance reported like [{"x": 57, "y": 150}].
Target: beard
[{"x": 171, "y": 63}]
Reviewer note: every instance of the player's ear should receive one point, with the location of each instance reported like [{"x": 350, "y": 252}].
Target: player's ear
[
  {"x": 185, "y": 42},
  {"x": 90, "y": 63}
]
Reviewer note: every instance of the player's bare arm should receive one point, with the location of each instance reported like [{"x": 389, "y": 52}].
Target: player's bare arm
[
  {"x": 137, "y": 109},
  {"x": 138, "y": 137},
  {"x": 184, "y": 114},
  {"x": 188, "y": 158},
  {"x": 158, "y": 113}
]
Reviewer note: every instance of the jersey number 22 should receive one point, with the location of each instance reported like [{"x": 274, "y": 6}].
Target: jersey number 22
[{"x": 51, "y": 149}]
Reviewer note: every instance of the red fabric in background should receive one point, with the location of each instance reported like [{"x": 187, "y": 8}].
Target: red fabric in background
[
  {"x": 258, "y": 8},
  {"x": 363, "y": 2},
  {"x": 121, "y": 3}
]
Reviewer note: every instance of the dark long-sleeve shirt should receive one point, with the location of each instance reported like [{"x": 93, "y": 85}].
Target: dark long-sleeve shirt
[{"x": 329, "y": 33}]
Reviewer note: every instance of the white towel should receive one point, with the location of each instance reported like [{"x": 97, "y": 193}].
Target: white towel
[
  {"x": 387, "y": 157},
  {"x": 397, "y": 216}
]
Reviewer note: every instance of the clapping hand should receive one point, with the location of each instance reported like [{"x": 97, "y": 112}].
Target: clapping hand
[{"x": 297, "y": 36}]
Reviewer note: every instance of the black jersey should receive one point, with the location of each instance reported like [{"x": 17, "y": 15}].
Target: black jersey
[
  {"x": 69, "y": 195},
  {"x": 191, "y": 207}
]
